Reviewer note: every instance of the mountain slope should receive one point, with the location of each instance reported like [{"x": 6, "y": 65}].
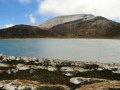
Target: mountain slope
[
  {"x": 25, "y": 31},
  {"x": 64, "y": 19},
  {"x": 97, "y": 27}
]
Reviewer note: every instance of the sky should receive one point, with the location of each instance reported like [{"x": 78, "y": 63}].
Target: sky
[{"x": 33, "y": 12}]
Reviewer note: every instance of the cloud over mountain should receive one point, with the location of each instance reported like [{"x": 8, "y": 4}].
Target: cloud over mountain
[
  {"x": 107, "y": 8},
  {"x": 8, "y": 25}
]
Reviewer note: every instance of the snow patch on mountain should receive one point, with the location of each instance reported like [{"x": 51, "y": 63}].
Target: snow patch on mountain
[{"x": 64, "y": 19}]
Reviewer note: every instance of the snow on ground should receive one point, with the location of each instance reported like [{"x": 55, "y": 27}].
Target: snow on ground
[
  {"x": 68, "y": 74},
  {"x": 76, "y": 80},
  {"x": 70, "y": 69},
  {"x": 73, "y": 69},
  {"x": 80, "y": 80},
  {"x": 50, "y": 68},
  {"x": 18, "y": 84},
  {"x": 4, "y": 65},
  {"x": 22, "y": 67}
]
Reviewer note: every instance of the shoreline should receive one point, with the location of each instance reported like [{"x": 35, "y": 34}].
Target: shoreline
[
  {"x": 56, "y": 59},
  {"x": 62, "y": 60},
  {"x": 55, "y": 74},
  {"x": 57, "y": 38}
]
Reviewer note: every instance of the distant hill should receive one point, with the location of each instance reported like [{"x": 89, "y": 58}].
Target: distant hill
[
  {"x": 25, "y": 31},
  {"x": 69, "y": 26}
]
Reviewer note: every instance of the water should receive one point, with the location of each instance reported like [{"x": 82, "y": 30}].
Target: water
[{"x": 102, "y": 50}]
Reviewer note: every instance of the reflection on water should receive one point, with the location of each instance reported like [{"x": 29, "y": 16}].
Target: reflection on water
[{"x": 104, "y": 50}]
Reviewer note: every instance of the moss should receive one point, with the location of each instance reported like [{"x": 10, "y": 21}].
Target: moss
[
  {"x": 50, "y": 88},
  {"x": 106, "y": 85}
]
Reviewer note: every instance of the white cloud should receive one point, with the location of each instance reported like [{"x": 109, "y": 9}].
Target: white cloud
[
  {"x": 8, "y": 25},
  {"x": 31, "y": 18},
  {"x": 107, "y": 8}
]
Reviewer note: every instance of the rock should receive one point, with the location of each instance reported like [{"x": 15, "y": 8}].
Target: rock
[
  {"x": 67, "y": 69},
  {"x": 22, "y": 67},
  {"x": 18, "y": 58},
  {"x": 19, "y": 85},
  {"x": 14, "y": 70},
  {"x": 76, "y": 80},
  {"x": 4, "y": 65},
  {"x": 73, "y": 69},
  {"x": 8, "y": 71},
  {"x": 81, "y": 80},
  {"x": 68, "y": 74},
  {"x": 40, "y": 67},
  {"x": 11, "y": 57},
  {"x": 26, "y": 59},
  {"x": 50, "y": 68}
]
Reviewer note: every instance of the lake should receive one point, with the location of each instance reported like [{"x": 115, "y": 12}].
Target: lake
[{"x": 102, "y": 50}]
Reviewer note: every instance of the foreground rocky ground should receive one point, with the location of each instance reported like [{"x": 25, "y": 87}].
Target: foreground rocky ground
[{"x": 26, "y": 73}]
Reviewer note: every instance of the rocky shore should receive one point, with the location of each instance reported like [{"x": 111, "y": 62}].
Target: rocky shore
[{"x": 27, "y": 73}]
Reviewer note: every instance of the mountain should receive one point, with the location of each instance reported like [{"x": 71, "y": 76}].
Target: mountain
[
  {"x": 64, "y": 19},
  {"x": 83, "y": 26},
  {"x": 25, "y": 31},
  {"x": 68, "y": 26}
]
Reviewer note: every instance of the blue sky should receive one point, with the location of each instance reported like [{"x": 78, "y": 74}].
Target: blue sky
[{"x": 13, "y": 12}]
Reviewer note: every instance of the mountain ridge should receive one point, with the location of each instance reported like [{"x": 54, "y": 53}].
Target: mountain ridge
[
  {"x": 64, "y": 19},
  {"x": 103, "y": 27},
  {"x": 70, "y": 26}
]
